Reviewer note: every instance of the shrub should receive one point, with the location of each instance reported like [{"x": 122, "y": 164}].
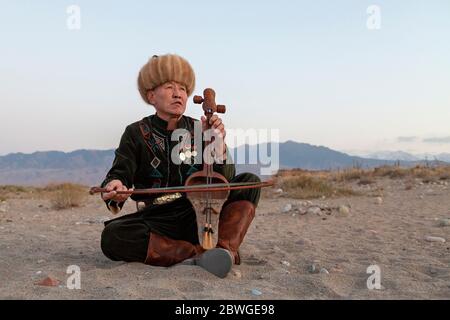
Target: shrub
[{"x": 66, "y": 195}]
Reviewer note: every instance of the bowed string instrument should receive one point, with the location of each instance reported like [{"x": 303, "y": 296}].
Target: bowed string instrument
[{"x": 207, "y": 190}]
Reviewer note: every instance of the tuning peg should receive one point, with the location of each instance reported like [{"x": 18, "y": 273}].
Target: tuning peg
[
  {"x": 198, "y": 99},
  {"x": 221, "y": 108}
]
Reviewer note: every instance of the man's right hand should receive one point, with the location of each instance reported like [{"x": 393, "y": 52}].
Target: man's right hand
[{"x": 111, "y": 194}]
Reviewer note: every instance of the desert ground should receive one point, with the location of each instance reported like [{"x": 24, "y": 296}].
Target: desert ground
[{"x": 315, "y": 248}]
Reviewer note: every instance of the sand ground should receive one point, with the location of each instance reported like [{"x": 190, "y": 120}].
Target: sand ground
[{"x": 277, "y": 255}]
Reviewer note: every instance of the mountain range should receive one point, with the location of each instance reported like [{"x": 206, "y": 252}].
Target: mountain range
[{"x": 89, "y": 167}]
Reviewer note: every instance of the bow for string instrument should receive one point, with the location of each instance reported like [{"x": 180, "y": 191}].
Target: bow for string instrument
[{"x": 207, "y": 190}]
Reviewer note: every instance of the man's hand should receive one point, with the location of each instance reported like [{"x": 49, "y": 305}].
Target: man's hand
[
  {"x": 219, "y": 128},
  {"x": 112, "y": 187},
  {"x": 216, "y": 124}
]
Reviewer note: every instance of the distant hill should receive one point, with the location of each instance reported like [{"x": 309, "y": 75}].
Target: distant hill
[
  {"x": 38, "y": 168},
  {"x": 90, "y": 166},
  {"x": 405, "y": 156}
]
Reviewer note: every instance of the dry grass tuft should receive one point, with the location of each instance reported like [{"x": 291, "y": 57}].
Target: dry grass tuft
[
  {"x": 309, "y": 185},
  {"x": 65, "y": 195},
  {"x": 304, "y": 184},
  {"x": 13, "y": 189},
  {"x": 349, "y": 175}
]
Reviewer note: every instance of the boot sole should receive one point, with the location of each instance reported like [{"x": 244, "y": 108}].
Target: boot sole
[{"x": 217, "y": 261}]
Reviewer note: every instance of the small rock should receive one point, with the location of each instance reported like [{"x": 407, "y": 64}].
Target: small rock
[
  {"x": 303, "y": 242},
  {"x": 344, "y": 210},
  {"x": 9, "y": 220},
  {"x": 336, "y": 270},
  {"x": 379, "y": 200},
  {"x": 261, "y": 277},
  {"x": 256, "y": 292},
  {"x": 41, "y": 261},
  {"x": 373, "y": 231},
  {"x": 315, "y": 210},
  {"x": 287, "y": 208},
  {"x": 278, "y": 191},
  {"x": 312, "y": 268},
  {"x": 444, "y": 222},
  {"x": 323, "y": 270},
  {"x": 48, "y": 282},
  {"x": 237, "y": 274},
  {"x": 285, "y": 263},
  {"x": 38, "y": 272},
  {"x": 434, "y": 239},
  {"x": 3, "y": 210},
  {"x": 293, "y": 214}
]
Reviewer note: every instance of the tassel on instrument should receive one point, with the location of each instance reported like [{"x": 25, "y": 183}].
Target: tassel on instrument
[{"x": 207, "y": 241}]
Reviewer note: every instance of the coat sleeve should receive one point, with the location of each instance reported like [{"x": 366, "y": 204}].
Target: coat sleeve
[{"x": 124, "y": 166}]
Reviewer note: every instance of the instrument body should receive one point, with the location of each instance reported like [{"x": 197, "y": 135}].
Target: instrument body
[{"x": 207, "y": 204}]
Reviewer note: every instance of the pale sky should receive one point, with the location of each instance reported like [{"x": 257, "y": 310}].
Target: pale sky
[{"x": 311, "y": 69}]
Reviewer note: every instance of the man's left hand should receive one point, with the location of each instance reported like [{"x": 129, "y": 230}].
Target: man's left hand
[
  {"x": 216, "y": 124},
  {"x": 219, "y": 128}
]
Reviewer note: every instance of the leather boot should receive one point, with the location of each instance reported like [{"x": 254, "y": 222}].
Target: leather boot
[
  {"x": 234, "y": 221},
  {"x": 165, "y": 252}
]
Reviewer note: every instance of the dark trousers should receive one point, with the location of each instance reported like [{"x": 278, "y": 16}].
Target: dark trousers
[{"x": 126, "y": 238}]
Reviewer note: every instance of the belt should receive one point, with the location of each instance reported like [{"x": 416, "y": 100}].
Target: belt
[{"x": 164, "y": 199}]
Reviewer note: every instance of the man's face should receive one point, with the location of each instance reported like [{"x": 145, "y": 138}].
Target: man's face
[{"x": 169, "y": 99}]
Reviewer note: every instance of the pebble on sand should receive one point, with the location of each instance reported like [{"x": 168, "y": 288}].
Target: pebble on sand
[
  {"x": 379, "y": 200},
  {"x": 48, "y": 282},
  {"x": 434, "y": 239},
  {"x": 237, "y": 274},
  {"x": 285, "y": 263},
  {"x": 256, "y": 292},
  {"x": 278, "y": 191},
  {"x": 444, "y": 222},
  {"x": 323, "y": 270},
  {"x": 314, "y": 210},
  {"x": 344, "y": 210},
  {"x": 287, "y": 208}
]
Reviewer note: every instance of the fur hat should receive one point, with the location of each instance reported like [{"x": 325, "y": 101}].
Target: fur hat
[{"x": 161, "y": 69}]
